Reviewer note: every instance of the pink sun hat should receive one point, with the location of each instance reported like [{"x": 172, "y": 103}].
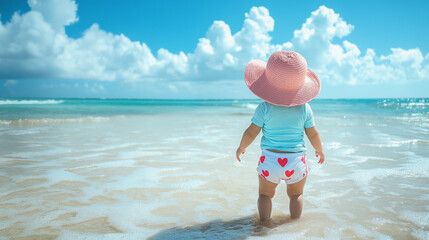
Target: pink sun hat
[{"x": 284, "y": 80}]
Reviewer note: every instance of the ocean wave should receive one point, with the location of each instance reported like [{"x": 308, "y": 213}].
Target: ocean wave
[
  {"x": 5, "y": 122},
  {"x": 333, "y": 145},
  {"x": 394, "y": 144},
  {"x": 19, "y": 133},
  {"x": 14, "y": 102},
  {"x": 409, "y": 141},
  {"x": 247, "y": 105},
  {"x": 410, "y": 104},
  {"x": 48, "y": 121}
]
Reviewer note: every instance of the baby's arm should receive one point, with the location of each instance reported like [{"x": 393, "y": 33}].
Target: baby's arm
[
  {"x": 248, "y": 136},
  {"x": 314, "y": 137}
]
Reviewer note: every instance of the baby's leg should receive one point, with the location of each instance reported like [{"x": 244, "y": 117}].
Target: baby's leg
[
  {"x": 295, "y": 193},
  {"x": 266, "y": 192}
]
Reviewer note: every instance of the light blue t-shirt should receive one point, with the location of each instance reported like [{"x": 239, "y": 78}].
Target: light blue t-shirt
[{"x": 283, "y": 127}]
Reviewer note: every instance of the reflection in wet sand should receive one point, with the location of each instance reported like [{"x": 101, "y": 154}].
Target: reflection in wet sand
[
  {"x": 48, "y": 229},
  {"x": 132, "y": 193},
  {"x": 102, "y": 200},
  {"x": 11, "y": 231},
  {"x": 31, "y": 182},
  {"x": 66, "y": 216},
  {"x": 59, "y": 197},
  {"x": 95, "y": 225},
  {"x": 37, "y": 237},
  {"x": 70, "y": 185}
]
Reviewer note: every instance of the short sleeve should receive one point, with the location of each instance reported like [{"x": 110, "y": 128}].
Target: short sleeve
[
  {"x": 259, "y": 116},
  {"x": 309, "y": 119}
]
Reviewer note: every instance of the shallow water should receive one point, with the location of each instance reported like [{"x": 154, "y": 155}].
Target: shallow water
[{"x": 115, "y": 170}]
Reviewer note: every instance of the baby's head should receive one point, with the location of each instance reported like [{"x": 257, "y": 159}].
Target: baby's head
[{"x": 284, "y": 80}]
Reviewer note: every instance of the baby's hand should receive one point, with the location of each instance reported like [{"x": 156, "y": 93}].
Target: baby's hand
[
  {"x": 322, "y": 156},
  {"x": 238, "y": 152}
]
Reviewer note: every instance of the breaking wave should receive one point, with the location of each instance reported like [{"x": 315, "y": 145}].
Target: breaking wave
[{"x": 14, "y": 102}]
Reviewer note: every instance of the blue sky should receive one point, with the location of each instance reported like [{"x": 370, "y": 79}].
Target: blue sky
[{"x": 198, "y": 49}]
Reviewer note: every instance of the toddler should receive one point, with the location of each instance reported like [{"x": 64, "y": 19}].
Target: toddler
[{"x": 286, "y": 86}]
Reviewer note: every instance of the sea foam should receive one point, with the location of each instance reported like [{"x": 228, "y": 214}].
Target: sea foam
[
  {"x": 50, "y": 121},
  {"x": 14, "y": 102}
]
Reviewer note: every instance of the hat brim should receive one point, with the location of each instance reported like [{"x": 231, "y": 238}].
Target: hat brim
[{"x": 257, "y": 82}]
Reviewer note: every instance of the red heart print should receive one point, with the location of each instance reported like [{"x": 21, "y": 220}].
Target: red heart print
[
  {"x": 262, "y": 159},
  {"x": 303, "y": 159},
  {"x": 289, "y": 173},
  {"x": 282, "y": 162},
  {"x": 266, "y": 173},
  {"x": 263, "y": 176}
]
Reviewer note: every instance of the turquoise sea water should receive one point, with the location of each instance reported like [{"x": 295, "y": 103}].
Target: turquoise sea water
[
  {"x": 14, "y": 109},
  {"x": 21, "y": 108},
  {"x": 137, "y": 168}
]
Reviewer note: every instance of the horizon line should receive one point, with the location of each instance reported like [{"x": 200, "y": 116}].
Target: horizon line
[{"x": 205, "y": 99}]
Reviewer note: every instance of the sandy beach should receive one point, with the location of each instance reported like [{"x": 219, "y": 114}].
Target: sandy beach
[{"x": 169, "y": 172}]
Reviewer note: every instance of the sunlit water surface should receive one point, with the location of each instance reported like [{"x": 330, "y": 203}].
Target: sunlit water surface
[{"x": 132, "y": 169}]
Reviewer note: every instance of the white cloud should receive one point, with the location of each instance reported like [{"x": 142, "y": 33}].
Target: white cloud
[
  {"x": 104, "y": 56},
  {"x": 58, "y": 13},
  {"x": 222, "y": 55},
  {"x": 35, "y": 45},
  {"x": 344, "y": 63},
  {"x": 314, "y": 39}
]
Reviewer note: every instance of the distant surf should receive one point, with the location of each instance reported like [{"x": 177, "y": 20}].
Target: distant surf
[
  {"x": 10, "y": 102},
  {"x": 49, "y": 121}
]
